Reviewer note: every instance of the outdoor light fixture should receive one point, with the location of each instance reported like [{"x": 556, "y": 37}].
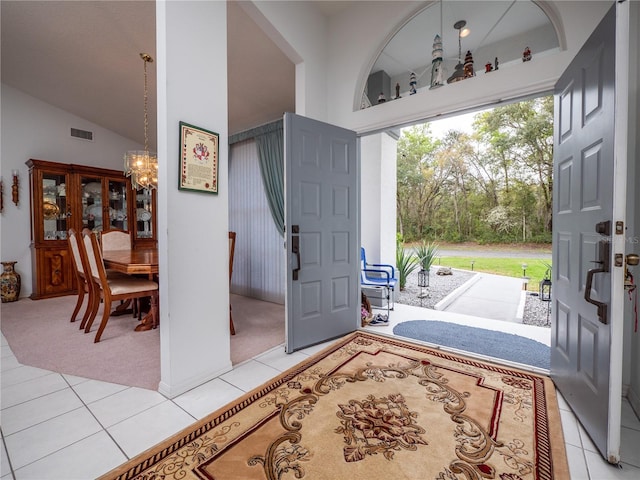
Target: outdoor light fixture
[
  {"x": 14, "y": 187},
  {"x": 142, "y": 165},
  {"x": 458, "y": 74},
  {"x": 423, "y": 278},
  {"x": 525, "y": 279},
  {"x": 545, "y": 290}
]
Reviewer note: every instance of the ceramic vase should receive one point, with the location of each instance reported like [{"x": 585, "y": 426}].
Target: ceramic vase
[{"x": 10, "y": 283}]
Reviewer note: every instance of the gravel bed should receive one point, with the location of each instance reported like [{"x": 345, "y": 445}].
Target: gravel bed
[
  {"x": 439, "y": 287},
  {"x": 535, "y": 310}
]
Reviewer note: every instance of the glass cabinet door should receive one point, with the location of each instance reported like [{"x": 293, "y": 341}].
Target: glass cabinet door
[
  {"x": 144, "y": 213},
  {"x": 118, "y": 205},
  {"x": 54, "y": 206},
  {"x": 92, "y": 211}
]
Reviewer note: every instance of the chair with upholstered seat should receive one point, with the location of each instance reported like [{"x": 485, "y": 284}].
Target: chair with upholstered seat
[
  {"x": 82, "y": 281},
  {"x": 123, "y": 288},
  {"x": 83, "y": 278},
  {"x": 115, "y": 240}
]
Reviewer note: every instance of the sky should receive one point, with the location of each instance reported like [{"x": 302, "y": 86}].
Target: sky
[{"x": 460, "y": 122}]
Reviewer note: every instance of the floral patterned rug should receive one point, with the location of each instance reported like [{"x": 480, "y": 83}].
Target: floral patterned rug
[{"x": 372, "y": 407}]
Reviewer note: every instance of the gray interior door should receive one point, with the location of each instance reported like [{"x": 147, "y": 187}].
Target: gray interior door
[
  {"x": 322, "y": 231},
  {"x": 585, "y": 355}
]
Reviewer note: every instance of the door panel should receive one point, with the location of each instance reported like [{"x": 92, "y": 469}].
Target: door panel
[
  {"x": 322, "y": 220},
  {"x": 583, "y": 348}
]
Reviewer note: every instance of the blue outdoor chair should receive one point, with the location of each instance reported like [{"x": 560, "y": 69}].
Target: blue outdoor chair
[{"x": 382, "y": 276}]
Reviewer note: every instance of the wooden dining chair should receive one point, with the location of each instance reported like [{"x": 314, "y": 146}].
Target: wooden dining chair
[
  {"x": 119, "y": 240},
  {"x": 115, "y": 240},
  {"x": 232, "y": 249},
  {"x": 121, "y": 288},
  {"x": 82, "y": 279}
]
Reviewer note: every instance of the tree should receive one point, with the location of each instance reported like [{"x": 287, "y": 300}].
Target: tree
[
  {"x": 492, "y": 185},
  {"x": 419, "y": 180}
]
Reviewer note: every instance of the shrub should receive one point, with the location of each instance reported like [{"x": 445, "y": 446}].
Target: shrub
[
  {"x": 405, "y": 263},
  {"x": 426, "y": 253}
]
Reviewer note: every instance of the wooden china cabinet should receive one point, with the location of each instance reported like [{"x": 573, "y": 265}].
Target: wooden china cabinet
[{"x": 65, "y": 196}]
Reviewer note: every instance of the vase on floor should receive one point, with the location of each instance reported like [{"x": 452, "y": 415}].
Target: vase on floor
[{"x": 10, "y": 283}]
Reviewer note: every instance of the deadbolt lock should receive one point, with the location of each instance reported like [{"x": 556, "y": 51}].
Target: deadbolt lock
[{"x": 632, "y": 259}]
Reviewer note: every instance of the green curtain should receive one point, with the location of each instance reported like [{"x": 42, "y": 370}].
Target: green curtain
[{"x": 270, "y": 142}]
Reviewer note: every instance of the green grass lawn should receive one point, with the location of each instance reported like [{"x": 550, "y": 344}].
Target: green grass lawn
[{"x": 510, "y": 267}]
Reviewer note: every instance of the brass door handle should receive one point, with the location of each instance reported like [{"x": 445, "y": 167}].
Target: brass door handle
[{"x": 603, "y": 249}]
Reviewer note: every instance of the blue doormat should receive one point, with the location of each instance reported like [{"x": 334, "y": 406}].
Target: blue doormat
[{"x": 477, "y": 340}]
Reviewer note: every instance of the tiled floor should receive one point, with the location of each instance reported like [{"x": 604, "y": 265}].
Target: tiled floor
[{"x": 63, "y": 427}]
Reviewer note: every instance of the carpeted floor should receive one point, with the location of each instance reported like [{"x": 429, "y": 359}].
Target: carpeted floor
[
  {"x": 40, "y": 335},
  {"x": 490, "y": 343},
  {"x": 374, "y": 407}
]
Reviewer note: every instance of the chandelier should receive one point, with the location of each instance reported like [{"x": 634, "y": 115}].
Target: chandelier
[
  {"x": 142, "y": 165},
  {"x": 459, "y": 73}
]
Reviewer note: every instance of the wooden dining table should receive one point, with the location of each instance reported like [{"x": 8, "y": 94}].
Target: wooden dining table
[
  {"x": 137, "y": 261},
  {"x": 132, "y": 262}
]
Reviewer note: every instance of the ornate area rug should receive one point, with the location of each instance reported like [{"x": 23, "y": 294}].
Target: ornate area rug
[{"x": 375, "y": 408}]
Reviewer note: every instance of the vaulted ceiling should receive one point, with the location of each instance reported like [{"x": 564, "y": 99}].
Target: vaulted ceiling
[{"x": 83, "y": 57}]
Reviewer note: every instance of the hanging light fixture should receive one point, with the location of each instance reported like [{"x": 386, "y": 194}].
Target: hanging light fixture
[
  {"x": 458, "y": 74},
  {"x": 142, "y": 165}
]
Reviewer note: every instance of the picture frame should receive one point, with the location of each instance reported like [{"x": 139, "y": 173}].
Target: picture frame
[{"x": 199, "y": 150}]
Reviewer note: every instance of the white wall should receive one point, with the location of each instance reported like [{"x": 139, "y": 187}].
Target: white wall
[
  {"x": 301, "y": 32},
  {"x": 34, "y": 129},
  {"x": 192, "y": 226},
  {"x": 378, "y": 175}
]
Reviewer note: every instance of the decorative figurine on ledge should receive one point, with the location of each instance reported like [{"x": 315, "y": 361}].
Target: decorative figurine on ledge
[
  {"x": 412, "y": 84},
  {"x": 437, "y": 75},
  {"x": 526, "y": 55},
  {"x": 397, "y": 92},
  {"x": 495, "y": 64},
  {"x": 381, "y": 98},
  {"x": 488, "y": 67},
  {"x": 468, "y": 65}
]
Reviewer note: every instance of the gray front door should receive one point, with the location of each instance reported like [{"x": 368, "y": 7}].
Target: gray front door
[
  {"x": 586, "y": 340},
  {"x": 322, "y": 231}
]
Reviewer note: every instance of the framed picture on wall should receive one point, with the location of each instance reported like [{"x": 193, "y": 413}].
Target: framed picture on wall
[{"x": 199, "y": 149}]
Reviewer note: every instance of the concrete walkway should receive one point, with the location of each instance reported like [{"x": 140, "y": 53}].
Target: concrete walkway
[{"x": 489, "y": 296}]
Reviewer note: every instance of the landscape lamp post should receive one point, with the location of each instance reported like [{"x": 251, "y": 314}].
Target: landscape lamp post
[{"x": 525, "y": 279}]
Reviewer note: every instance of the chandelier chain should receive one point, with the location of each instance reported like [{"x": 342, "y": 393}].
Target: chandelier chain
[{"x": 146, "y": 117}]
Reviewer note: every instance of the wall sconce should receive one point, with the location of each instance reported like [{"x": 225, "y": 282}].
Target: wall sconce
[{"x": 14, "y": 187}]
